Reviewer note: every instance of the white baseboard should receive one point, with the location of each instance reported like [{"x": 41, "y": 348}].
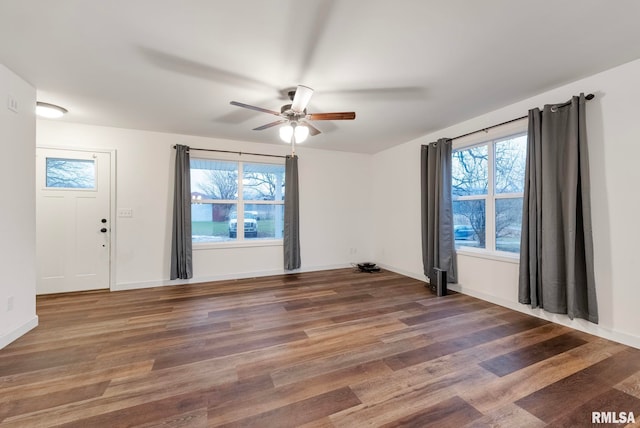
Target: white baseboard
[
  {"x": 577, "y": 324},
  {"x": 224, "y": 277},
  {"x": 419, "y": 277},
  {"x": 9, "y": 337}
]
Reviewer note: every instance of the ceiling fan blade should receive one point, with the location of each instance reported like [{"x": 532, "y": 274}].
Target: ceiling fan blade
[
  {"x": 345, "y": 115},
  {"x": 312, "y": 129},
  {"x": 250, "y": 107},
  {"x": 269, "y": 125},
  {"x": 301, "y": 99}
]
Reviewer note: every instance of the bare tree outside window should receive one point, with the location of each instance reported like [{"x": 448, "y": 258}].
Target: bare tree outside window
[
  {"x": 219, "y": 184},
  {"x": 70, "y": 173},
  {"x": 470, "y": 171},
  {"x": 470, "y": 177},
  {"x": 263, "y": 182},
  {"x": 260, "y": 185},
  {"x": 491, "y": 173}
]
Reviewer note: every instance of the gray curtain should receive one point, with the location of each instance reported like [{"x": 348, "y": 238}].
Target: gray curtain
[
  {"x": 291, "y": 239},
  {"x": 556, "y": 251},
  {"x": 438, "y": 246},
  {"x": 181, "y": 254}
]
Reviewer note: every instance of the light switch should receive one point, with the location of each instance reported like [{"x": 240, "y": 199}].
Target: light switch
[
  {"x": 125, "y": 212},
  {"x": 12, "y": 104}
]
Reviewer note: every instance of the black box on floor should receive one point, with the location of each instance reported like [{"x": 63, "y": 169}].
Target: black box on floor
[{"x": 438, "y": 282}]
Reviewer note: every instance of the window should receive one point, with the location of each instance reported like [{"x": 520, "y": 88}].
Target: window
[
  {"x": 70, "y": 173},
  {"x": 487, "y": 188},
  {"x": 226, "y": 194}
]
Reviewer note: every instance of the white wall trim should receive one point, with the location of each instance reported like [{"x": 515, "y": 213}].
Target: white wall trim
[
  {"x": 577, "y": 324},
  {"x": 481, "y": 253},
  {"x": 225, "y": 277},
  {"x": 413, "y": 275},
  {"x": 9, "y": 337}
]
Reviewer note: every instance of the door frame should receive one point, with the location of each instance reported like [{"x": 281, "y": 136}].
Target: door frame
[{"x": 112, "y": 200}]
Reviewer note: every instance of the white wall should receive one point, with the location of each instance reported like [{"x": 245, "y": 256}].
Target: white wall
[
  {"x": 17, "y": 216},
  {"x": 614, "y": 144},
  {"x": 335, "y": 205}
]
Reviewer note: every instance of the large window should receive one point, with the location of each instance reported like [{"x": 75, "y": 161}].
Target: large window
[
  {"x": 487, "y": 188},
  {"x": 225, "y": 194}
]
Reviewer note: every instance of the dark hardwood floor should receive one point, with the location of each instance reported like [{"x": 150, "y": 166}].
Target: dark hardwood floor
[{"x": 334, "y": 348}]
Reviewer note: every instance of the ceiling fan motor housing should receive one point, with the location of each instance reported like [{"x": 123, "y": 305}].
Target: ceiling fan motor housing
[{"x": 290, "y": 114}]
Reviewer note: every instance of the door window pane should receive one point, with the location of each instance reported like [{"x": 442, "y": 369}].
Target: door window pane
[
  {"x": 469, "y": 219},
  {"x": 510, "y": 160},
  {"x": 71, "y": 173},
  {"x": 469, "y": 171},
  {"x": 213, "y": 222},
  {"x": 508, "y": 224}
]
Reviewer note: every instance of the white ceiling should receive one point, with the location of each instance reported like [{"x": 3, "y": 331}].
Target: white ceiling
[{"x": 406, "y": 67}]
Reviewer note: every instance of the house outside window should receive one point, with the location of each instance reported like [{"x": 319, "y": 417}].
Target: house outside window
[
  {"x": 487, "y": 190},
  {"x": 235, "y": 201}
]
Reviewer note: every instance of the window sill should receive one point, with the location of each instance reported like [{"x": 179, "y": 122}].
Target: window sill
[
  {"x": 243, "y": 244},
  {"x": 501, "y": 256}
]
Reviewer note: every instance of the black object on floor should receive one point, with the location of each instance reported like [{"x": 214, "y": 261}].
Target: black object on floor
[{"x": 368, "y": 267}]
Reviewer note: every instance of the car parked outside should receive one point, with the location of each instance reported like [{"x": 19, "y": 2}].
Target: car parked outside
[
  {"x": 463, "y": 232},
  {"x": 250, "y": 224}
]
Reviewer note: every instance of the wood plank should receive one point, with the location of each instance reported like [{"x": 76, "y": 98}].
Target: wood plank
[
  {"x": 49, "y": 400},
  {"x": 178, "y": 407},
  {"x": 187, "y": 356},
  {"x": 516, "y": 360},
  {"x": 453, "y": 412},
  {"x": 301, "y": 412}
]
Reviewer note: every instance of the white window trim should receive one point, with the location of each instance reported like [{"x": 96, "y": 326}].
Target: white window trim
[
  {"x": 489, "y": 137},
  {"x": 482, "y": 253},
  {"x": 240, "y": 202},
  {"x": 237, "y": 244}
]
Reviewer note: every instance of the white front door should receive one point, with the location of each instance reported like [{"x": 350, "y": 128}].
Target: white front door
[{"x": 73, "y": 224}]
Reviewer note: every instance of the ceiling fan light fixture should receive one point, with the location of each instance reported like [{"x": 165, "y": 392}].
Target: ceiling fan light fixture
[
  {"x": 50, "y": 111},
  {"x": 301, "y": 132}
]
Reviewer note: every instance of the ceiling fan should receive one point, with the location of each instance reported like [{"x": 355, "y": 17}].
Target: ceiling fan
[{"x": 295, "y": 115}]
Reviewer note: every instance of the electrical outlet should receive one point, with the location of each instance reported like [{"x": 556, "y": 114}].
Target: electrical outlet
[
  {"x": 125, "y": 213},
  {"x": 12, "y": 104},
  {"x": 10, "y": 303}
]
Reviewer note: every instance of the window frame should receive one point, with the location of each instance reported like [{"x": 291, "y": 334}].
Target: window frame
[
  {"x": 490, "y": 138},
  {"x": 240, "y": 240}
]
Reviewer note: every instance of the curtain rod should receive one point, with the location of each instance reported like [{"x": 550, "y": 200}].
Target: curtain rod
[
  {"x": 237, "y": 153},
  {"x": 587, "y": 97}
]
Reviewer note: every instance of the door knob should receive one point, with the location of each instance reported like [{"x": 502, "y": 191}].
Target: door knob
[{"x": 103, "y": 230}]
